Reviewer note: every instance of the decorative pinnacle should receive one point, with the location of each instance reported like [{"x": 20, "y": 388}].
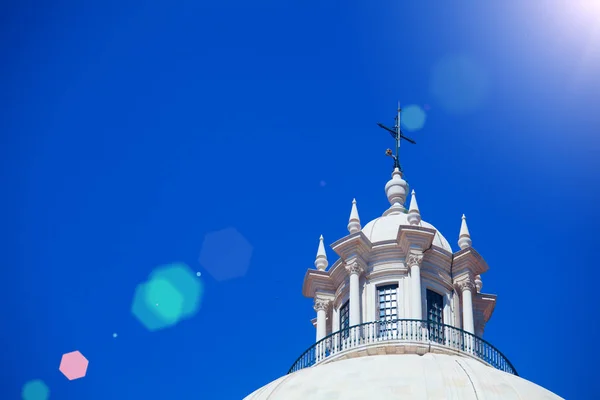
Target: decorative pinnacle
[
  {"x": 354, "y": 222},
  {"x": 464, "y": 237},
  {"x": 414, "y": 215},
  {"x": 321, "y": 261}
]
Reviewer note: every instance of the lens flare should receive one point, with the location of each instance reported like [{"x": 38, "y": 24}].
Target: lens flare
[
  {"x": 35, "y": 390},
  {"x": 225, "y": 254},
  {"x": 413, "y": 118},
  {"x": 171, "y": 294}
]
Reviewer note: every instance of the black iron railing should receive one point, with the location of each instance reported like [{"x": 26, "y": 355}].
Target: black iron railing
[{"x": 403, "y": 330}]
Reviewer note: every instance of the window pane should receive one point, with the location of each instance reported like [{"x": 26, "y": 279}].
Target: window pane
[
  {"x": 344, "y": 320},
  {"x": 387, "y": 304},
  {"x": 435, "y": 304}
]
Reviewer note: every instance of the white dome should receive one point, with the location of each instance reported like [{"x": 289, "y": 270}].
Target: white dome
[
  {"x": 407, "y": 376},
  {"x": 386, "y": 228}
]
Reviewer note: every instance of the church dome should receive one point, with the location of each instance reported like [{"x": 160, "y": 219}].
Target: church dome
[
  {"x": 400, "y": 330},
  {"x": 405, "y": 376},
  {"x": 386, "y": 228}
]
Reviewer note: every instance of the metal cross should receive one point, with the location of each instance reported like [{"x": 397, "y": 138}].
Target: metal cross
[{"x": 398, "y": 135}]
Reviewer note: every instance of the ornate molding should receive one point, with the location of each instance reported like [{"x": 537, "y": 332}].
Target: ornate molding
[
  {"x": 354, "y": 268},
  {"x": 321, "y": 304},
  {"x": 414, "y": 259},
  {"x": 466, "y": 285}
]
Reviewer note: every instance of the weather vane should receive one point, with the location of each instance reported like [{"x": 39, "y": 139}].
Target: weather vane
[{"x": 397, "y": 134}]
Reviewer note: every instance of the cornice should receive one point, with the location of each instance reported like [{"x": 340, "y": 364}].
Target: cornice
[
  {"x": 390, "y": 275},
  {"x": 415, "y": 237},
  {"x": 468, "y": 262},
  {"x": 338, "y": 273},
  {"x": 439, "y": 258},
  {"x": 317, "y": 281},
  {"x": 388, "y": 251},
  {"x": 356, "y": 244},
  {"x": 387, "y": 270},
  {"x": 485, "y": 303}
]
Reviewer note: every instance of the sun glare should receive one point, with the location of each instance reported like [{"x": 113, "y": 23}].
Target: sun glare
[
  {"x": 589, "y": 6},
  {"x": 583, "y": 12}
]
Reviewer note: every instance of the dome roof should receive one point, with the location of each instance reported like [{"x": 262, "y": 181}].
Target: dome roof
[
  {"x": 386, "y": 228},
  {"x": 407, "y": 376}
]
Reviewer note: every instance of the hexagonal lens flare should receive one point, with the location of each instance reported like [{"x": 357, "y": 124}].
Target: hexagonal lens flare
[
  {"x": 185, "y": 282},
  {"x": 171, "y": 294},
  {"x": 225, "y": 254},
  {"x": 73, "y": 365}
]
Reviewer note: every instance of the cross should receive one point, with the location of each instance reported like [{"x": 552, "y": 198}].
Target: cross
[{"x": 397, "y": 134}]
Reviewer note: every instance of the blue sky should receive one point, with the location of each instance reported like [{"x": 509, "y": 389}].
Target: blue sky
[{"x": 131, "y": 130}]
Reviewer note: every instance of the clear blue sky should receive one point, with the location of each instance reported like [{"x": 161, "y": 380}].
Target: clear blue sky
[{"x": 130, "y": 130}]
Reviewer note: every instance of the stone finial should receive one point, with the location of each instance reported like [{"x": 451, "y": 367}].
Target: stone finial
[
  {"x": 414, "y": 215},
  {"x": 354, "y": 221},
  {"x": 396, "y": 190},
  {"x": 321, "y": 261},
  {"x": 464, "y": 237}
]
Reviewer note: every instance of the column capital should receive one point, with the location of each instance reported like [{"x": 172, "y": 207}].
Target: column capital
[
  {"x": 354, "y": 268},
  {"x": 321, "y": 304},
  {"x": 466, "y": 285},
  {"x": 414, "y": 259}
]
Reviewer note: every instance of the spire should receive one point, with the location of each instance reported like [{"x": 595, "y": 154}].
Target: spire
[
  {"x": 354, "y": 222},
  {"x": 396, "y": 190},
  {"x": 414, "y": 216},
  {"x": 321, "y": 262},
  {"x": 478, "y": 283},
  {"x": 464, "y": 238}
]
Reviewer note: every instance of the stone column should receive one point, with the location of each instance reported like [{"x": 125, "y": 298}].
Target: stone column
[
  {"x": 354, "y": 269},
  {"x": 321, "y": 306},
  {"x": 414, "y": 263},
  {"x": 467, "y": 288}
]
